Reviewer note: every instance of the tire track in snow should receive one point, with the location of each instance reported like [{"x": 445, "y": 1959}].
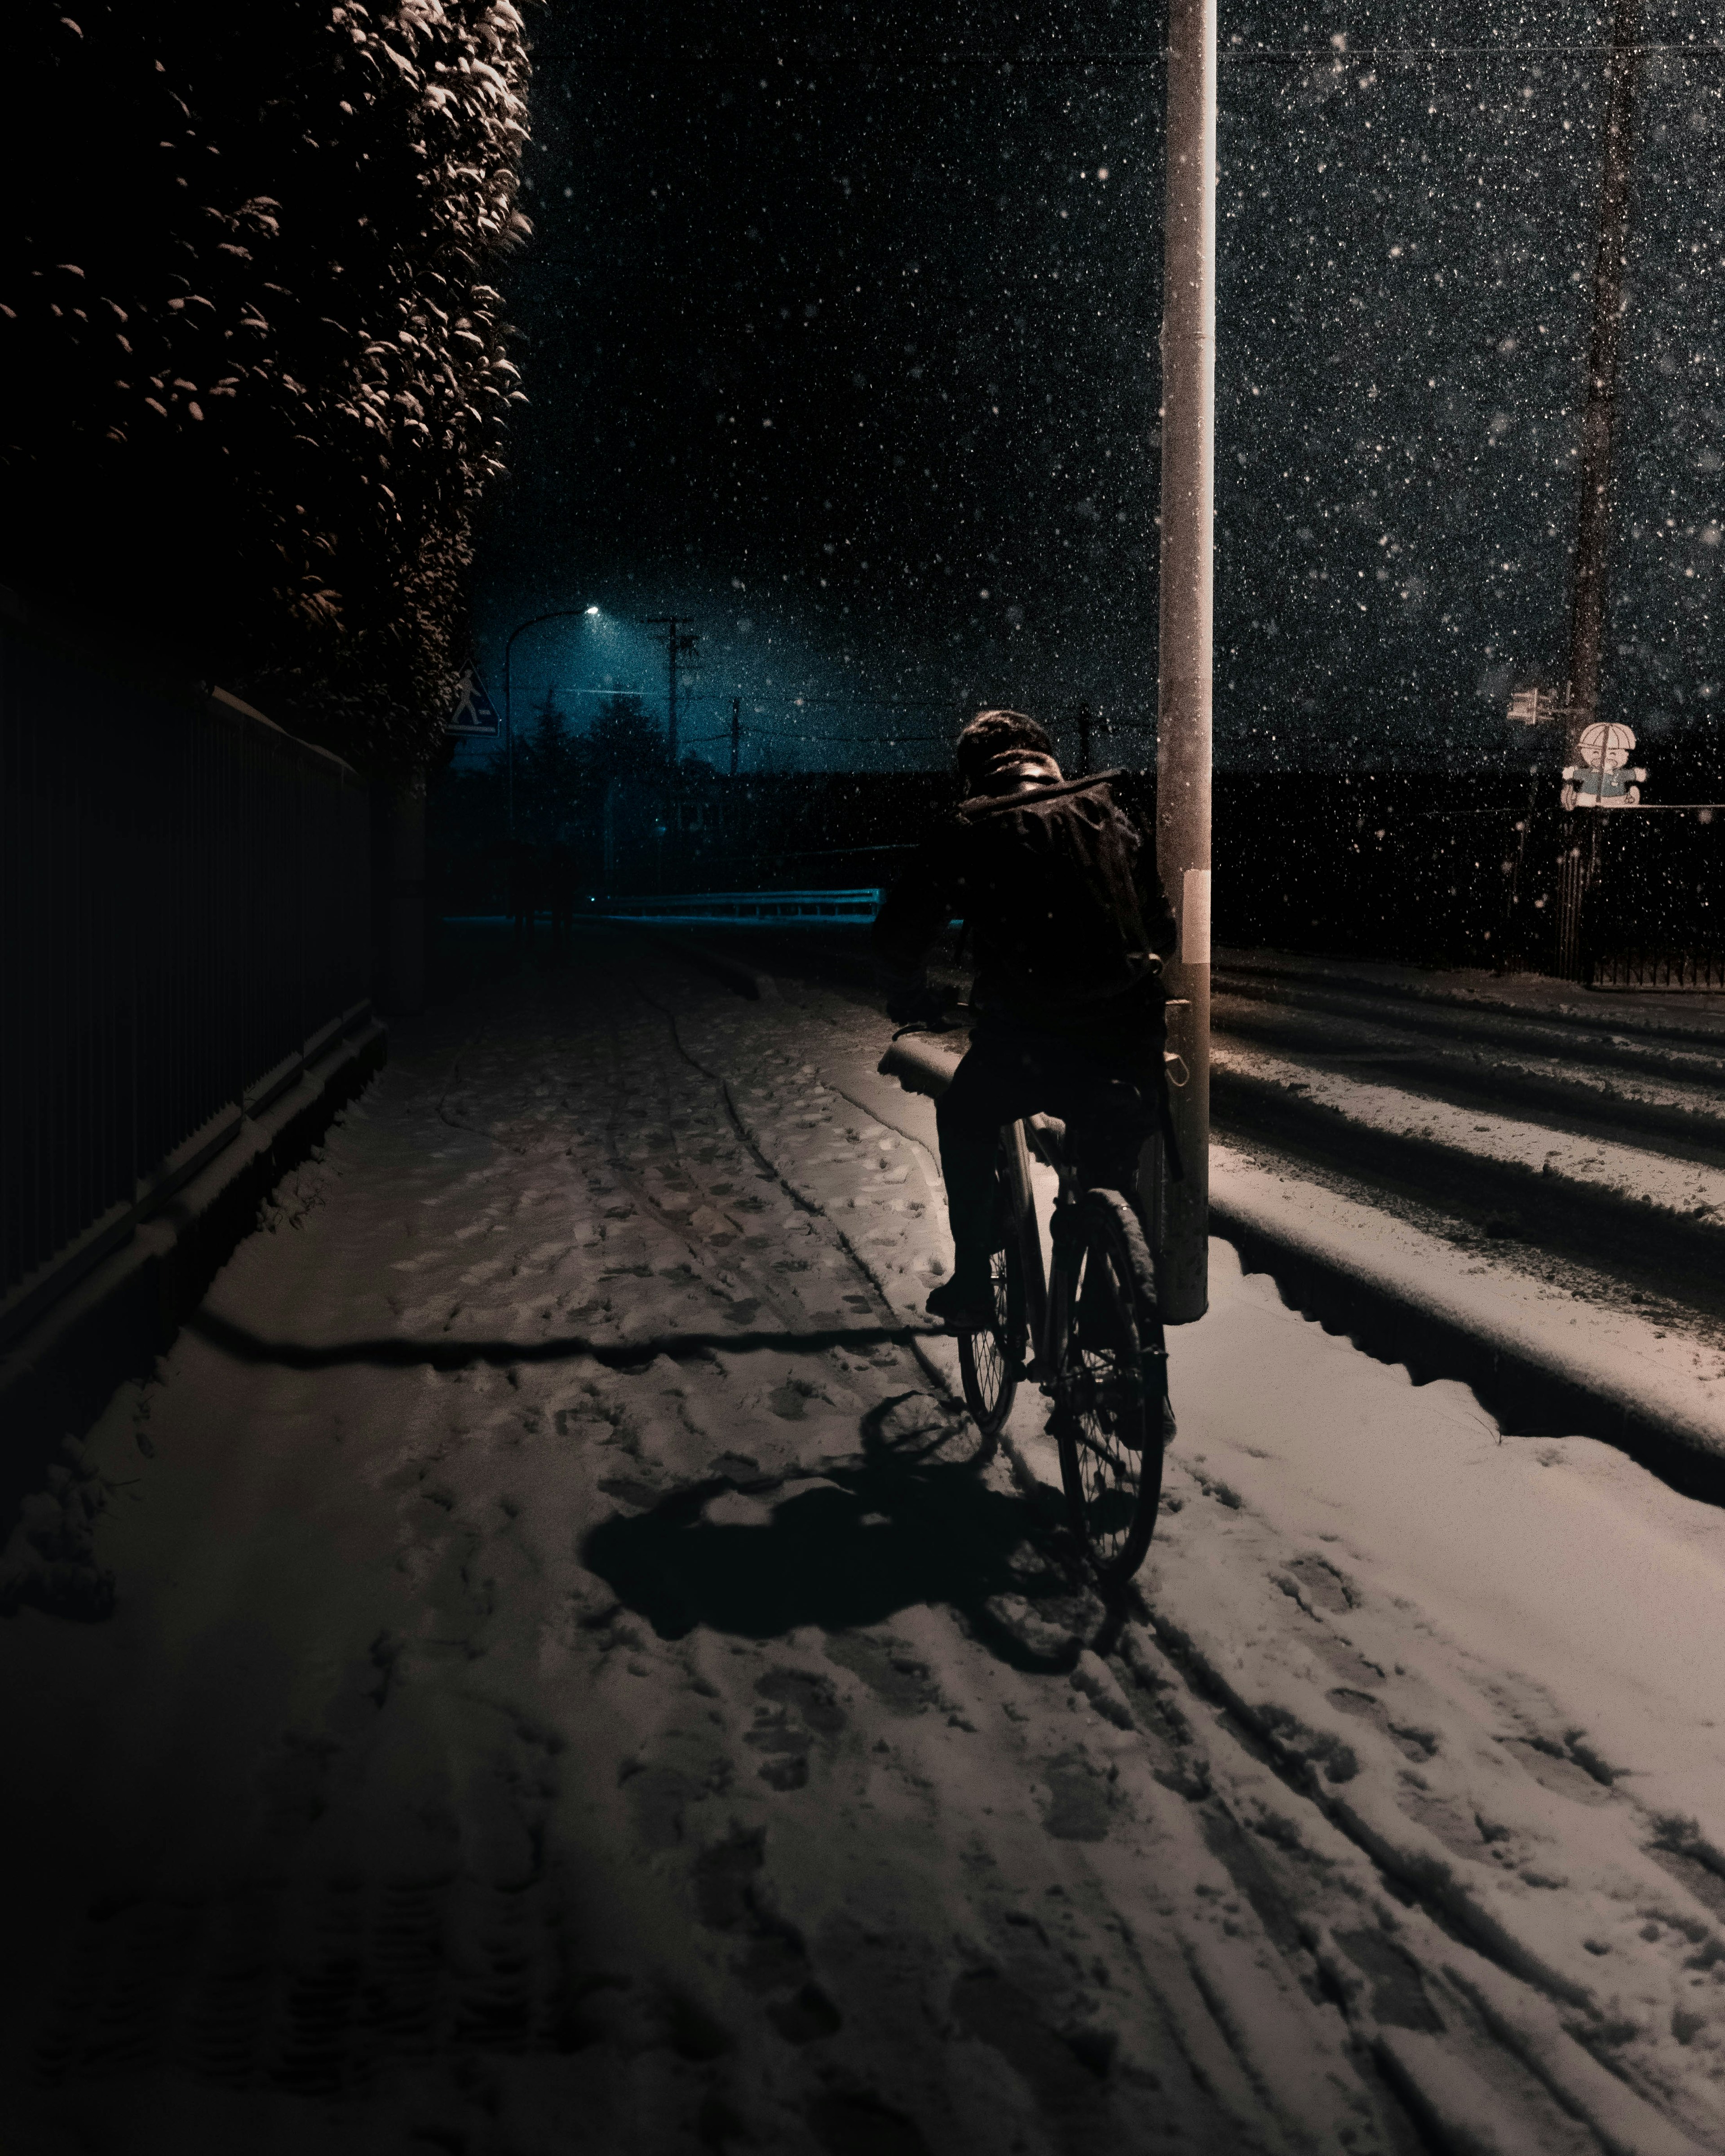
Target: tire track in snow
[
  {"x": 905, "y": 1335},
  {"x": 1511, "y": 1998}
]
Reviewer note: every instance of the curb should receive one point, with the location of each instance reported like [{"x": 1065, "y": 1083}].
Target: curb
[
  {"x": 1520, "y": 1377},
  {"x": 56, "y": 1378},
  {"x": 1384, "y": 1304},
  {"x": 1567, "y": 1211},
  {"x": 1275, "y": 977}
]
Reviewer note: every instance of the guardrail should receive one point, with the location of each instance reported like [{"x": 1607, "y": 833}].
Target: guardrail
[
  {"x": 746, "y": 905},
  {"x": 186, "y": 915}
]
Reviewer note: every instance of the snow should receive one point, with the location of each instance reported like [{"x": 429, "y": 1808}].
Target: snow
[
  {"x": 1661, "y": 1375},
  {"x": 573, "y": 1683},
  {"x": 1590, "y": 1165},
  {"x": 1594, "y": 1573},
  {"x": 1698, "y": 1016},
  {"x": 1513, "y": 1638}
]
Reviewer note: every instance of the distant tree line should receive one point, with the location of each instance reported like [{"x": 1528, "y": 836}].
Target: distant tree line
[
  {"x": 558, "y": 778},
  {"x": 562, "y": 773},
  {"x": 697, "y": 828},
  {"x": 255, "y": 378}
]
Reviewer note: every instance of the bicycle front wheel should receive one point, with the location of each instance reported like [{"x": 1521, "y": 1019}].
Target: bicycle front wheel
[
  {"x": 1110, "y": 1390},
  {"x": 989, "y": 1362}
]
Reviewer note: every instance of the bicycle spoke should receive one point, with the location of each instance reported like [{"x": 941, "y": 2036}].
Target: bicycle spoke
[
  {"x": 989, "y": 1361},
  {"x": 1105, "y": 1415}
]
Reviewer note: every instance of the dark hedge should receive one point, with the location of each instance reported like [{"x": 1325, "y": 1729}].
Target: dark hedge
[{"x": 255, "y": 378}]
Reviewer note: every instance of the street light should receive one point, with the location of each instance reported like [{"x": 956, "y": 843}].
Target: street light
[{"x": 562, "y": 613}]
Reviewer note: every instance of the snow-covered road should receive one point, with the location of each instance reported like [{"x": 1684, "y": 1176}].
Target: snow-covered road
[{"x": 573, "y": 1683}]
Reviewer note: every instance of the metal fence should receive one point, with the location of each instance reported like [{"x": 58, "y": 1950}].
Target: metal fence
[
  {"x": 1654, "y": 912},
  {"x": 1628, "y": 898},
  {"x": 1700, "y": 970},
  {"x": 187, "y": 924}
]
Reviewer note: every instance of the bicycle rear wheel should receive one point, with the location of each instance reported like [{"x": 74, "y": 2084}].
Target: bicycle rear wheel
[
  {"x": 1110, "y": 1390},
  {"x": 989, "y": 1362}
]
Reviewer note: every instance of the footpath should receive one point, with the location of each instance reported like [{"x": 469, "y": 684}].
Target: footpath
[{"x": 573, "y": 1680}]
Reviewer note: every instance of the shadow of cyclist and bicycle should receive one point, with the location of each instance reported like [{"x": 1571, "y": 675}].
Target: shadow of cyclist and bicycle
[
  {"x": 910, "y": 1519},
  {"x": 879, "y": 1532}
]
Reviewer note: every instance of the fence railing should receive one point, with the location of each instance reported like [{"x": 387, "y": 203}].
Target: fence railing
[
  {"x": 1702, "y": 971},
  {"x": 187, "y": 924},
  {"x": 1621, "y": 899},
  {"x": 747, "y": 906}
]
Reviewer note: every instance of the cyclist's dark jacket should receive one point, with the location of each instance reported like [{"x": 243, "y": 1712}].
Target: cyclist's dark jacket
[{"x": 1059, "y": 891}]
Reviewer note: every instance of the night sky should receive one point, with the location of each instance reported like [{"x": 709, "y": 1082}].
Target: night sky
[{"x": 840, "y": 330}]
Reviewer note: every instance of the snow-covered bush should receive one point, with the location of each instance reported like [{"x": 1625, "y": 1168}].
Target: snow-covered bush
[{"x": 255, "y": 378}]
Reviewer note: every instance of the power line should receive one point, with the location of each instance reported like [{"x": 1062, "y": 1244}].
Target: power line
[
  {"x": 817, "y": 703},
  {"x": 906, "y": 59},
  {"x": 1339, "y": 55},
  {"x": 853, "y": 741}
]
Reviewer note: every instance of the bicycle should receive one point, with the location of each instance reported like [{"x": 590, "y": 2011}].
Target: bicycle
[{"x": 1096, "y": 1341}]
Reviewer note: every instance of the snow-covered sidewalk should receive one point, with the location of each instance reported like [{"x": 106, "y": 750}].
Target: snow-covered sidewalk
[{"x": 573, "y": 1684}]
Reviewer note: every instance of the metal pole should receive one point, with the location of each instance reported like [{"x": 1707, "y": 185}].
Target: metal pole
[
  {"x": 671, "y": 728},
  {"x": 668, "y": 623},
  {"x": 1593, "y": 526},
  {"x": 1593, "y": 513},
  {"x": 736, "y": 733},
  {"x": 1182, "y": 724},
  {"x": 509, "y": 727}
]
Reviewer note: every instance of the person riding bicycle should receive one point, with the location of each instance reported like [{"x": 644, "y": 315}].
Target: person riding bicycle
[{"x": 1067, "y": 919}]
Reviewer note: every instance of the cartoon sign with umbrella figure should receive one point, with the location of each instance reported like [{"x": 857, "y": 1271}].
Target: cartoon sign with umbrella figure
[{"x": 1602, "y": 779}]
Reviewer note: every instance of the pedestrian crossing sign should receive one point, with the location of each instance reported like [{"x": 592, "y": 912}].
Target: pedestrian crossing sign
[{"x": 474, "y": 716}]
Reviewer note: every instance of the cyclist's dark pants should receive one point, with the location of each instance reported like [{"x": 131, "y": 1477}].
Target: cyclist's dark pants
[{"x": 1103, "y": 1091}]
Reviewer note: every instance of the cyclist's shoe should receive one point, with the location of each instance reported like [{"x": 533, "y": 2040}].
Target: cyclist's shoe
[{"x": 963, "y": 1304}]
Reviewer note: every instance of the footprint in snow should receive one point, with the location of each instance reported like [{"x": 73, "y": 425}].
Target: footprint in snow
[{"x": 802, "y": 1706}]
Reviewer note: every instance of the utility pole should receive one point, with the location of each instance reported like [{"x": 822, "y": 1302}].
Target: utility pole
[
  {"x": 679, "y": 643},
  {"x": 736, "y": 733},
  {"x": 1593, "y": 521},
  {"x": 1081, "y": 719},
  {"x": 1182, "y": 688},
  {"x": 1593, "y": 512}
]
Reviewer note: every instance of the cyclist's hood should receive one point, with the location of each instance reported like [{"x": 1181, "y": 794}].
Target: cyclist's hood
[
  {"x": 1012, "y": 771},
  {"x": 1022, "y": 778}
]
